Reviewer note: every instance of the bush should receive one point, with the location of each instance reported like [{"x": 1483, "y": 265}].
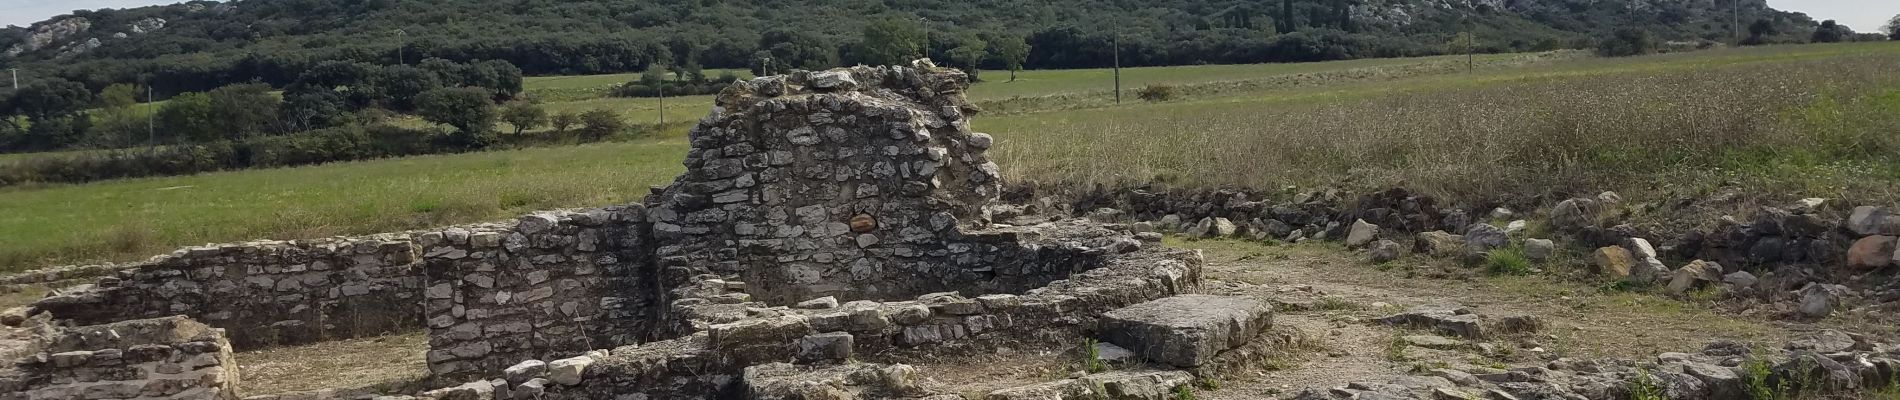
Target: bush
[
  {"x": 1156, "y": 93},
  {"x": 599, "y": 124},
  {"x": 1509, "y": 261},
  {"x": 1627, "y": 42}
]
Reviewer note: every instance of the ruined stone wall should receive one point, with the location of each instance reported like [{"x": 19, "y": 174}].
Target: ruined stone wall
[
  {"x": 265, "y": 292},
  {"x": 732, "y": 334},
  {"x": 548, "y": 285},
  {"x": 165, "y": 358},
  {"x": 849, "y": 183}
]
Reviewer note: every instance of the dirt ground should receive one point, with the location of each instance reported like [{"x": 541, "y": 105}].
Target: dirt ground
[{"x": 1328, "y": 296}]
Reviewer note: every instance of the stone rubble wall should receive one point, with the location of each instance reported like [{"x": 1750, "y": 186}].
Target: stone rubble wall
[
  {"x": 265, "y": 292},
  {"x": 732, "y": 334},
  {"x": 163, "y": 358},
  {"x": 850, "y": 183},
  {"x": 549, "y": 285}
]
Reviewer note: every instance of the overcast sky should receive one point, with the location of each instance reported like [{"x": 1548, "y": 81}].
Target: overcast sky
[{"x": 1862, "y": 15}]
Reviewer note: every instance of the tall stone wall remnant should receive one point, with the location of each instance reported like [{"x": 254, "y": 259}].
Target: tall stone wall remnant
[{"x": 854, "y": 183}]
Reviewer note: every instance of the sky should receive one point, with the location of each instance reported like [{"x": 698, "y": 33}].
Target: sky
[{"x": 1862, "y": 15}]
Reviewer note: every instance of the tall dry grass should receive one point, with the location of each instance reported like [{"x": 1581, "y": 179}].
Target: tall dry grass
[{"x": 1805, "y": 127}]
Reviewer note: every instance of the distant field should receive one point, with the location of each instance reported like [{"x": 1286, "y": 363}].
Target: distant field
[
  {"x": 127, "y": 218},
  {"x": 1814, "y": 120}
]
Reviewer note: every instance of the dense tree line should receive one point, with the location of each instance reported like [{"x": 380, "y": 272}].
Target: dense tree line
[
  {"x": 53, "y": 114},
  {"x": 206, "y": 45}
]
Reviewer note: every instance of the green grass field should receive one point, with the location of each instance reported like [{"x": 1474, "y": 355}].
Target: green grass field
[{"x": 1800, "y": 120}]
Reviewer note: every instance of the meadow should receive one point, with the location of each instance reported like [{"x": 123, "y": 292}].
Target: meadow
[{"x": 1795, "y": 121}]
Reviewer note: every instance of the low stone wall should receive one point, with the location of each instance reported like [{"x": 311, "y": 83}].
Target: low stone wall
[
  {"x": 165, "y": 358},
  {"x": 549, "y": 285},
  {"x": 265, "y": 292},
  {"x": 732, "y": 334}
]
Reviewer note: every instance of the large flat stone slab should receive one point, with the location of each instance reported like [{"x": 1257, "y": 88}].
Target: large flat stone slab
[{"x": 1186, "y": 330}]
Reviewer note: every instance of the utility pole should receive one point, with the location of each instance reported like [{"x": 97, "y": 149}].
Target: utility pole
[
  {"x": 401, "y": 58},
  {"x": 151, "y": 134},
  {"x": 662, "y": 101},
  {"x": 1118, "y": 67},
  {"x": 926, "y": 22},
  {"x": 16, "y": 78},
  {"x": 1735, "y": 16}
]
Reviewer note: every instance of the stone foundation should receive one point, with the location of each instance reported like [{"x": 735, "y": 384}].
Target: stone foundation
[
  {"x": 267, "y": 292},
  {"x": 165, "y": 358}
]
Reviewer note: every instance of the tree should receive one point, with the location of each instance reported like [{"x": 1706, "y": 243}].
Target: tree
[
  {"x": 188, "y": 117},
  {"x": 1627, "y": 42},
  {"x": 1893, "y": 28},
  {"x": 598, "y": 124},
  {"x": 313, "y": 109},
  {"x": 1759, "y": 31},
  {"x": 1012, "y": 50},
  {"x": 562, "y": 121},
  {"x": 51, "y": 99},
  {"x": 524, "y": 116},
  {"x": 467, "y": 109},
  {"x": 969, "y": 53},
  {"x": 118, "y": 95},
  {"x": 891, "y": 41},
  {"x": 398, "y": 85},
  {"x": 1831, "y": 32},
  {"x": 241, "y": 111}
]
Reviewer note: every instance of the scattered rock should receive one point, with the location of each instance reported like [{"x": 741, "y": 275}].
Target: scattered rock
[
  {"x": 1870, "y": 220},
  {"x": 1694, "y": 275},
  {"x": 568, "y": 371},
  {"x": 1433, "y": 342},
  {"x": 1539, "y": 250},
  {"x": 1480, "y": 239},
  {"x": 1818, "y": 300},
  {"x": 1741, "y": 279},
  {"x": 1872, "y": 252},
  {"x": 1384, "y": 250},
  {"x": 1361, "y": 234},
  {"x": 1438, "y": 244},
  {"x": 1450, "y": 320},
  {"x": 1613, "y": 262},
  {"x": 526, "y": 370},
  {"x": 1574, "y": 214},
  {"x": 1224, "y": 228},
  {"x": 1824, "y": 342},
  {"x": 821, "y": 303}
]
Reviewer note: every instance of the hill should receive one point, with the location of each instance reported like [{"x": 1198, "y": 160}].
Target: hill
[{"x": 200, "y": 45}]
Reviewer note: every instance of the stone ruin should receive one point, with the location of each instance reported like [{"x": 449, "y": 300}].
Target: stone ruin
[{"x": 828, "y": 224}]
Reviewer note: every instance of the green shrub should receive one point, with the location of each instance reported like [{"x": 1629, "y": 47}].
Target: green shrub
[{"x": 1507, "y": 261}]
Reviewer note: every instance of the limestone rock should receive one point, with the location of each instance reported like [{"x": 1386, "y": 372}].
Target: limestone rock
[
  {"x": 569, "y": 371},
  {"x": 1574, "y": 214},
  {"x": 1818, "y": 300},
  {"x": 821, "y": 303},
  {"x": 1871, "y": 220},
  {"x": 1741, "y": 279},
  {"x": 1438, "y": 244},
  {"x": 1696, "y": 274},
  {"x": 524, "y": 371},
  {"x": 1224, "y": 228},
  {"x": 1185, "y": 330},
  {"x": 1449, "y": 320},
  {"x": 1539, "y": 250},
  {"x": 1613, "y": 262},
  {"x": 1361, "y": 234},
  {"x": 1384, "y": 250}
]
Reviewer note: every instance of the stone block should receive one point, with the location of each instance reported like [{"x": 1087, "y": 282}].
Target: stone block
[{"x": 1186, "y": 330}]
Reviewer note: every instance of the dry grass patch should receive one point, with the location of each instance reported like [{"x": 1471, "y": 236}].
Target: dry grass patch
[{"x": 390, "y": 362}]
